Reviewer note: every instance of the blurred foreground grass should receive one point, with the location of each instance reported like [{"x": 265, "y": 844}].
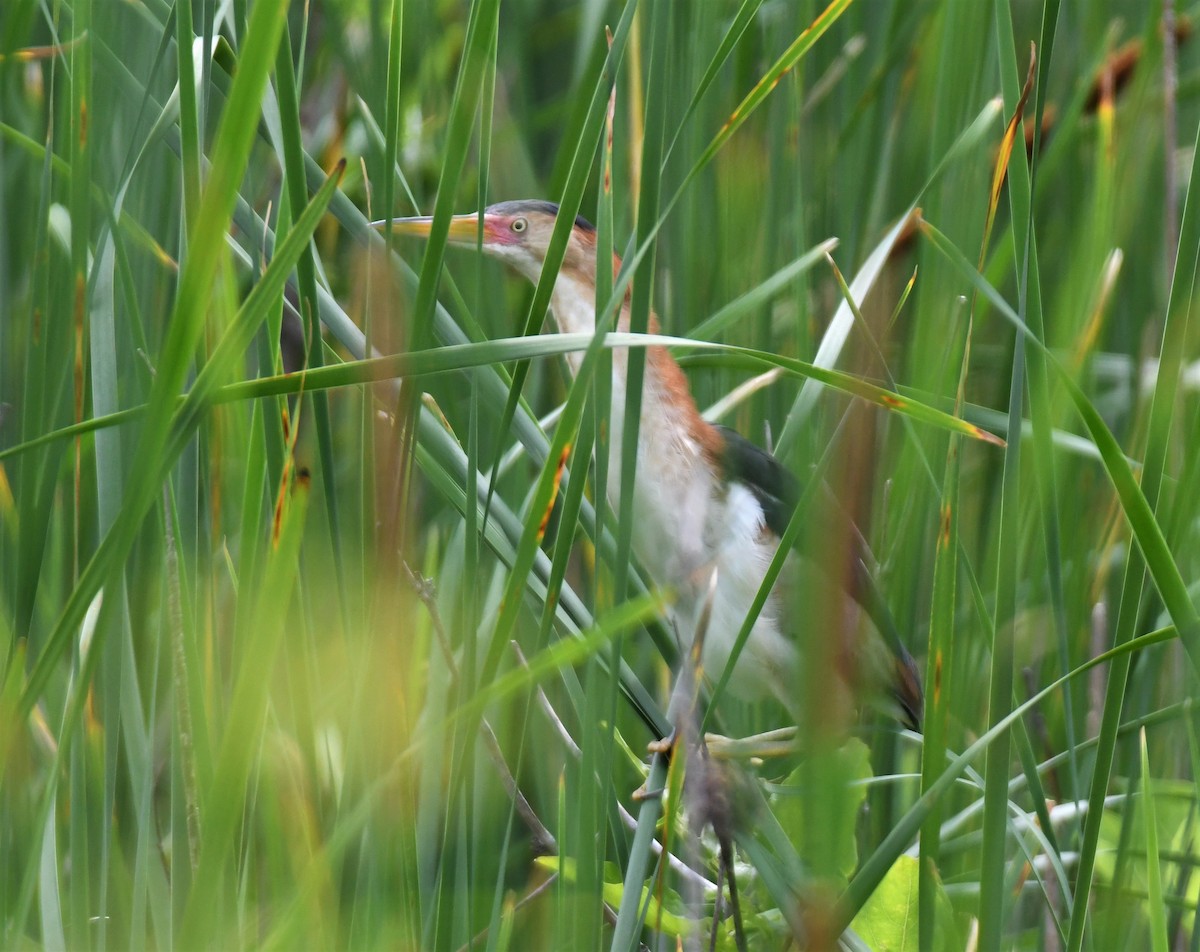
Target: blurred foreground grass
[{"x": 257, "y": 686}]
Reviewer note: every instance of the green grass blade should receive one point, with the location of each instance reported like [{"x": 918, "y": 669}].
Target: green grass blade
[
  {"x": 137, "y": 500},
  {"x": 1156, "y": 909}
]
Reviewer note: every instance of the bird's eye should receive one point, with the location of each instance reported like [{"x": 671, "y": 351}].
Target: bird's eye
[{"x": 519, "y": 225}]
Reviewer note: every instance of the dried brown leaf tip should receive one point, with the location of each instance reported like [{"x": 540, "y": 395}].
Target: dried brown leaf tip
[
  {"x": 1004, "y": 153},
  {"x": 31, "y": 54},
  {"x": 1108, "y": 82},
  {"x": 1049, "y": 117},
  {"x": 981, "y": 434},
  {"x": 1116, "y": 71},
  {"x": 558, "y": 475},
  {"x": 608, "y": 126},
  {"x": 277, "y": 514},
  {"x": 908, "y": 234}
]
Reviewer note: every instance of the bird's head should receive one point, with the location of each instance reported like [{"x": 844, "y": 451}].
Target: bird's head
[{"x": 517, "y": 233}]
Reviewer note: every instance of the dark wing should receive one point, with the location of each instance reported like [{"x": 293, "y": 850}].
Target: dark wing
[{"x": 778, "y": 491}]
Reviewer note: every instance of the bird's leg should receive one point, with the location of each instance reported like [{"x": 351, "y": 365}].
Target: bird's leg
[
  {"x": 739, "y": 932},
  {"x": 711, "y": 790},
  {"x": 718, "y": 907},
  {"x": 685, "y": 694},
  {"x": 687, "y": 685},
  {"x": 708, "y": 785}
]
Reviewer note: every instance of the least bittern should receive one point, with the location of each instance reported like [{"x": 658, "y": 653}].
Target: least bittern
[{"x": 705, "y": 498}]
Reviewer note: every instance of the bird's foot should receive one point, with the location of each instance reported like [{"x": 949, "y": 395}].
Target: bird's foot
[
  {"x": 641, "y": 793},
  {"x": 664, "y": 745}
]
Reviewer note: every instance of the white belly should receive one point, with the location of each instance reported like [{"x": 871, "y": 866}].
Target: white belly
[
  {"x": 686, "y": 524},
  {"x": 742, "y": 552}
]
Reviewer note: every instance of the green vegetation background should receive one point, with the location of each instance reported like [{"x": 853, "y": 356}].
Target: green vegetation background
[{"x": 257, "y": 687}]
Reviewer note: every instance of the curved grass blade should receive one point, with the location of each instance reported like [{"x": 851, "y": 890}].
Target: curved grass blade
[
  {"x": 155, "y": 448},
  {"x": 780, "y": 281},
  {"x": 737, "y": 27},
  {"x": 631, "y": 915},
  {"x": 569, "y": 204},
  {"x": 838, "y": 331},
  {"x": 992, "y": 892},
  {"x": 872, "y": 871},
  {"x": 247, "y": 713},
  {"x": 297, "y": 192},
  {"x": 1134, "y": 501},
  {"x": 1138, "y": 510},
  {"x": 458, "y": 357}
]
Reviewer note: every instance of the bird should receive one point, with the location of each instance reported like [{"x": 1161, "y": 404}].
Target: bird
[{"x": 708, "y": 503}]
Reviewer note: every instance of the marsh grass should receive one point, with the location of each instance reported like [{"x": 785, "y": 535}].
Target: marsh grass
[{"x": 293, "y": 656}]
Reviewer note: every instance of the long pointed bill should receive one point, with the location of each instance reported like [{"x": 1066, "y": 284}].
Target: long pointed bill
[{"x": 464, "y": 229}]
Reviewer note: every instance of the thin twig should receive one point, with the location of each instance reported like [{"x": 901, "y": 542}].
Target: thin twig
[
  {"x": 544, "y": 843},
  {"x": 548, "y": 708},
  {"x": 678, "y": 866},
  {"x": 523, "y": 901}
]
